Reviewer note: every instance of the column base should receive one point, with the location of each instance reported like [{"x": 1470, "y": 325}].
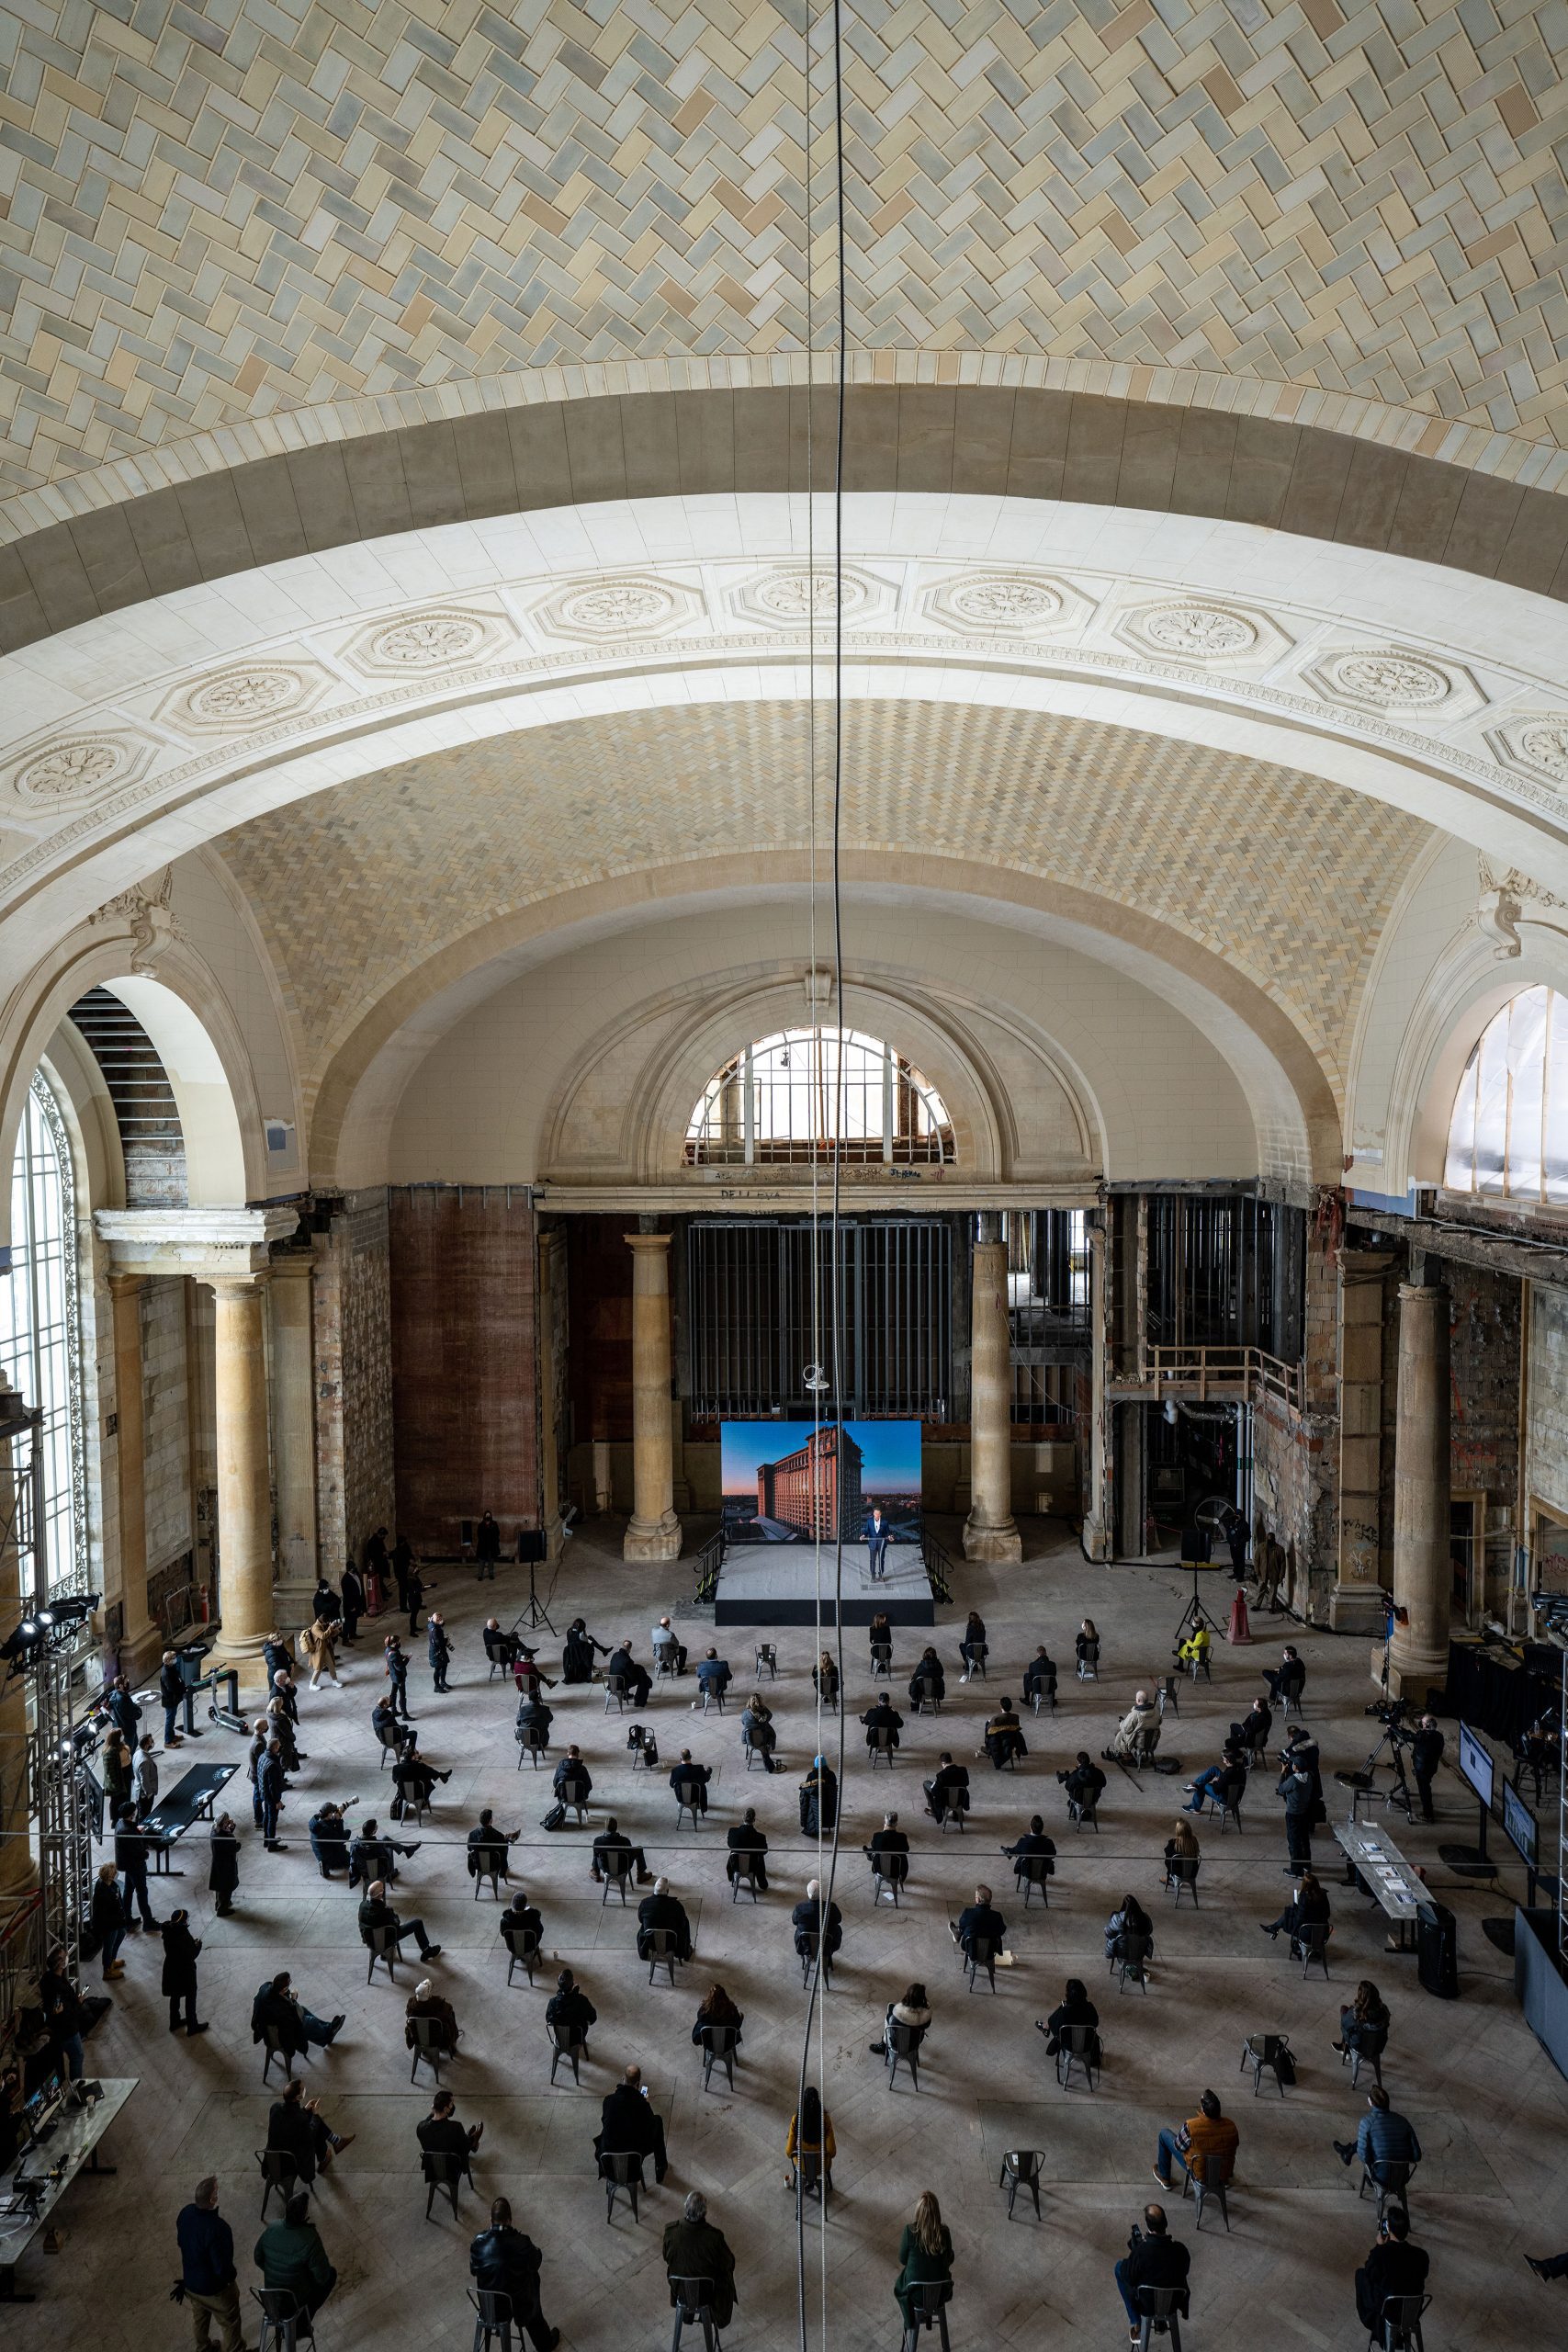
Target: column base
[
  {"x": 1357, "y": 1609},
  {"x": 293, "y": 1606},
  {"x": 653, "y": 1539},
  {"x": 984, "y": 1542},
  {"x": 1096, "y": 1537},
  {"x": 1412, "y": 1675}
]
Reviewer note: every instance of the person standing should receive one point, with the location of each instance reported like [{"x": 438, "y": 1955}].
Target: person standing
[
  {"x": 351, "y": 1589},
  {"x": 877, "y": 1542},
  {"x": 65, "y": 2012},
  {"x": 413, "y": 1588},
  {"x": 438, "y": 1647},
  {"x": 180, "y": 1950},
  {"x": 397, "y": 1664},
  {"x": 211, "y": 2290},
  {"x": 487, "y": 1547},
  {"x": 1295, "y": 1788},
  {"x": 144, "y": 1784},
  {"x": 172, "y": 1696},
  {"x": 317, "y": 1644},
  {"x": 1425, "y": 1755},
  {"x": 123, "y": 1710},
  {"x": 109, "y": 1921},
  {"x": 401, "y": 1562},
  {"x": 223, "y": 1868},
  {"x": 270, "y": 1782},
  {"x": 131, "y": 1845}
]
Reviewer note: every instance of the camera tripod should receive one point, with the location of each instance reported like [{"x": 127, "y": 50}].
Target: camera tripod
[
  {"x": 1360, "y": 1783},
  {"x": 1194, "y": 1615}
]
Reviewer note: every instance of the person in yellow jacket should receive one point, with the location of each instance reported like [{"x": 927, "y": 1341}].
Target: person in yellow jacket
[
  {"x": 811, "y": 2134},
  {"x": 1193, "y": 1653}
]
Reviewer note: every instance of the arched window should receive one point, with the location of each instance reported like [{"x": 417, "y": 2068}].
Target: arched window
[
  {"x": 788, "y": 1097},
  {"x": 40, "y": 1326},
  {"x": 1508, "y": 1135}
]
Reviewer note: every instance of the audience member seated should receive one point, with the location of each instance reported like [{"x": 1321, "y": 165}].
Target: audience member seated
[
  {"x": 713, "y": 1674},
  {"x": 610, "y": 1839},
  {"x": 571, "y": 1768},
  {"x": 277, "y": 2006},
  {"x": 912, "y": 2010},
  {"x": 1393, "y": 2267},
  {"x": 978, "y": 1922},
  {"x": 501, "y": 2261},
  {"x": 501, "y": 1649},
  {"x": 1033, "y": 1846},
  {"x": 1195, "y": 2144},
  {"x": 882, "y": 1717},
  {"x": 810, "y": 2133},
  {"x": 666, "y": 1639},
  {"x": 891, "y": 1849},
  {"x": 1287, "y": 1680},
  {"x": 1193, "y": 1653},
  {"x": 532, "y": 1725},
  {"x": 376, "y": 1912},
  {"x": 1085, "y": 1785},
  {"x": 718, "y": 2010},
  {"x": 629, "y": 2124},
  {"x": 1086, "y": 1646},
  {"x": 747, "y": 1838},
  {"x": 425, "y": 2002},
  {"x": 949, "y": 1793},
  {"x": 488, "y": 1846},
  {"x": 385, "y": 1724},
  {"x": 1039, "y": 1675},
  {"x": 929, "y": 1670},
  {"x": 1308, "y": 1907},
  {"x": 1129, "y": 1918},
  {"x": 1073, "y": 2008},
  {"x": 662, "y": 1910},
  {"x": 1217, "y": 1783},
  {"x": 685, "y": 1771},
  {"x": 1153, "y": 2258},
  {"x": 1255, "y": 1727},
  {"x": 1382, "y": 2137},
  {"x": 693, "y": 2248},
  {"x": 925, "y": 2256},
  {"x": 818, "y": 1799},
  {"x": 973, "y": 1648},
  {"x": 825, "y": 1678},
  {"x": 329, "y": 1838},
  {"x": 441, "y": 2134},
  {"x": 521, "y": 1914},
  {"x": 569, "y": 2008},
  {"x": 579, "y": 1651},
  {"x": 636, "y": 1676},
  {"x": 814, "y": 1918},
  {"x": 757, "y": 1731},
  {"x": 293, "y": 2261},
  {"x": 1004, "y": 1737},
  {"x": 1137, "y": 1734},
  {"x": 1181, "y": 1847},
  {"x": 413, "y": 1779},
  {"x": 297, "y": 2128},
  {"x": 1363, "y": 2027},
  {"x": 528, "y": 1674},
  {"x": 370, "y": 1857}
]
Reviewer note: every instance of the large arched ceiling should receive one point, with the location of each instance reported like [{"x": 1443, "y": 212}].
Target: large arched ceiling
[{"x": 1213, "y": 861}]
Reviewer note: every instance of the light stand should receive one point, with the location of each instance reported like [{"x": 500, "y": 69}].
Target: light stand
[{"x": 1195, "y": 1614}]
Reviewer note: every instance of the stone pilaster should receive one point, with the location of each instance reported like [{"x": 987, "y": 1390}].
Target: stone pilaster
[
  {"x": 653, "y": 1532},
  {"x": 1421, "y": 1575},
  {"x": 990, "y": 1533}
]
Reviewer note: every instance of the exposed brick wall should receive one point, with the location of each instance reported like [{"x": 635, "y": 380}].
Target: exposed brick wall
[
  {"x": 352, "y": 1309},
  {"x": 1484, "y": 1356},
  {"x": 464, "y": 1359},
  {"x": 1295, "y": 1455},
  {"x": 598, "y": 1281},
  {"x": 1547, "y": 1418}
]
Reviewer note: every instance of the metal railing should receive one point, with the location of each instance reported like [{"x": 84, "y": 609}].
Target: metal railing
[
  {"x": 707, "y": 1565},
  {"x": 1197, "y": 1370},
  {"x": 939, "y": 1568}
]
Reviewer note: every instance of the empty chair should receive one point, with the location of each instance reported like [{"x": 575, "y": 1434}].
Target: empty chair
[
  {"x": 1020, "y": 2169},
  {"x": 275, "y": 2050},
  {"x": 278, "y": 2171},
  {"x": 746, "y": 1868},
  {"x": 494, "y": 2321},
  {"x": 1271, "y": 2053},
  {"x": 1217, "y": 2173},
  {"x": 615, "y": 1862},
  {"x": 1390, "y": 2184},
  {"x": 442, "y": 2173},
  {"x": 1076, "y": 2047},
  {"x": 615, "y": 1693},
  {"x": 689, "y": 1799},
  {"x": 927, "y": 2309},
  {"x": 717, "y": 2046},
  {"x": 901, "y": 2046},
  {"x": 880, "y": 1748},
  {"x": 1130, "y": 1959},
  {"x": 1161, "y": 2310},
  {"x": 522, "y": 1945},
  {"x": 534, "y": 1744},
  {"x": 1312, "y": 1942},
  {"x": 1399, "y": 2325},
  {"x": 428, "y": 2046},
  {"x": 565, "y": 2045},
  {"x": 766, "y": 1662},
  {"x": 662, "y": 1951},
  {"x": 574, "y": 1791},
  {"x": 981, "y": 1957},
  {"x": 927, "y": 1703},
  {"x": 621, "y": 2172},
  {"x": 1032, "y": 1871},
  {"x": 881, "y": 1661},
  {"x": 1365, "y": 2050},
  {"x": 694, "y": 2308},
  {"x": 283, "y": 2315},
  {"x": 1181, "y": 1877},
  {"x": 1167, "y": 1694}
]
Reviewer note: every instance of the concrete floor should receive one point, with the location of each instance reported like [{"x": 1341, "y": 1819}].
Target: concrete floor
[{"x": 1488, "y": 2106}]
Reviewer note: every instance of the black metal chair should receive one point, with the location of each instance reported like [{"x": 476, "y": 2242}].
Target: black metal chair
[
  {"x": 429, "y": 2046},
  {"x": 620, "y": 2169},
  {"x": 662, "y": 1951},
  {"x": 953, "y": 1810},
  {"x": 692, "y": 2298},
  {"x": 879, "y": 1747},
  {"x": 1311, "y": 1941},
  {"x": 381, "y": 1945},
  {"x": 615, "y": 1693},
  {"x": 488, "y": 1872},
  {"x": 927, "y": 1703},
  {"x": 391, "y": 1742},
  {"x": 615, "y": 1863},
  {"x": 1031, "y": 1871},
  {"x": 718, "y": 2046},
  {"x": 280, "y": 2171},
  {"x": 1076, "y": 2047},
  {"x": 666, "y": 1656},
  {"x": 689, "y": 1799},
  {"x": 275, "y": 2050},
  {"x": 494, "y": 2321},
  {"x": 1086, "y": 1815},
  {"x": 1270, "y": 2051},
  {"x": 1226, "y": 1801},
  {"x": 1044, "y": 1691},
  {"x": 975, "y": 1660},
  {"x": 284, "y": 2320},
  {"x": 1181, "y": 1877},
  {"x": 980, "y": 1959},
  {"x": 1020, "y": 2169},
  {"x": 747, "y": 1865},
  {"x": 574, "y": 1791},
  {"x": 888, "y": 1874},
  {"x": 809, "y": 1943},
  {"x": 927, "y": 2308},
  {"x": 523, "y": 1946},
  {"x": 716, "y": 1692},
  {"x": 534, "y": 1744},
  {"x": 1130, "y": 1959},
  {"x": 442, "y": 2173},
  {"x": 1366, "y": 2050},
  {"x": 901, "y": 2046},
  {"x": 1391, "y": 2184},
  {"x": 564, "y": 2046},
  {"x": 1089, "y": 1662},
  {"x": 1218, "y": 2172},
  {"x": 1399, "y": 2325},
  {"x": 1161, "y": 2311},
  {"x": 766, "y": 1661},
  {"x": 1168, "y": 1695},
  {"x": 881, "y": 1661}
]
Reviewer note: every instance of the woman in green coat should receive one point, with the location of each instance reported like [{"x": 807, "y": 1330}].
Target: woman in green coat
[{"x": 925, "y": 2254}]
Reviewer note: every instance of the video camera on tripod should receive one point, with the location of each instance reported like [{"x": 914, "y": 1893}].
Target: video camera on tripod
[{"x": 1391, "y": 1713}]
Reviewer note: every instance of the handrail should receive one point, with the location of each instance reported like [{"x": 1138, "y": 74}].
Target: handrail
[
  {"x": 707, "y": 1565},
  {"x": 1163, "y": 1366},
  {"x": 939, "y": 1566}
]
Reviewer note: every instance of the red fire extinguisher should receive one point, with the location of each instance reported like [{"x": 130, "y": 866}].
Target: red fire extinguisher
[{"x": 203, "y": 1603}]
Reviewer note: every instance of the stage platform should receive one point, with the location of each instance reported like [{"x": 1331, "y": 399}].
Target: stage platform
[{"x": 775, "y": 1584}]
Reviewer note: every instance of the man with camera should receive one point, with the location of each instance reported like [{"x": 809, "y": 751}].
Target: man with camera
[
  {"x": 1425, "y": 1755},
  {"x": 1155, "y": 2259}
]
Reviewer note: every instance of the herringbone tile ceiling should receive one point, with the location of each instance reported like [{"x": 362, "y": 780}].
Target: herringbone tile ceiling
[{"x": 219, "y": 213}]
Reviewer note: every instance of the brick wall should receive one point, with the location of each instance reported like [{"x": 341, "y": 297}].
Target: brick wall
[
  {"x": 1546, "y": 1431},
  {"x": 352, "y": 1346},
  {"x": 1484, "y": 1343},
  {"x": 166, "y": 1423},
  {"x": 464, "y": 1359},
  {"x": 1295, "y": 1463}
]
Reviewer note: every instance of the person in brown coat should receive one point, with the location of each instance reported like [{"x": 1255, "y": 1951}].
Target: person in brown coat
[{"x": 424, "y": 2002}]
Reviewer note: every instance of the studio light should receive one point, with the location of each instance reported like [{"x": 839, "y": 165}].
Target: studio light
[{"x": 46, "y": 1629}]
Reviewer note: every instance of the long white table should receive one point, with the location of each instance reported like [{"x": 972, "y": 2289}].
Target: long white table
[
  {"x": 72, "y": 2147},
  {"x": 1371, "y": 1856}
]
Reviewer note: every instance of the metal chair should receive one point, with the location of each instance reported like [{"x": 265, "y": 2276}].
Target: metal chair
[
  {"x": 694, "y": 2308},
  {"x": 522, "y": 1945},
  {"x": 1399, "y": 2325},
  {"x": 284, "y": 2317},
  {"x": 1217, "y": 2175},
  {"x": 747, "y": 1865},
  {"x": 981, "y": 1955},
  {"x": 809, "y": 2177},
  {"x": 689, "y": 1799},
  {"x": 534, "y": 1744},
  {"x": 498, "y": 1662},
  {"x": 574, "y": 1791},
  {"x": 810, "y": 1947},
  {"x": 390, "y": 1743},
  {"x": 615, "y": 1693},
  {"x": 881, "y": 1661},
  {"x": 494, "y": 2319},
  {"x": 766, "y": 1660},
  {"x": 621, "y": 2172},
  {"x": 1161, "y": 2310},
  {"x": 1032, "y": 1870},
  {"x": 953, "y": 1810},
  {"x": 665, "y": 1654},
  {"x": 1076, "y": 2047},
  {"x": 383, "y": 1947},
  {"x": 662, "y": 1951},
  {"x": 275, "y": 2050},
  {"x": 716, "y": 1692},
  {"x": 280, "y": 2171},
  {"x": 719, "y": 2045},
  {"x": 615, "y": 1863},
  {"x": 901, "y": 2046},
  {"x": 975, "y": 1662},
  {"x": 1225, "y": 1801},
  {"x": 418, "y": 1805},
  {"x": 750, "y": 1749},
  {"x": 1167, "y": 1694},
  {"x": 1181, "y": 1877},
  {"x": 1392, "y": 2186},
  {"x": 1312, "y": 1942},
  {"x": 888, "y": 1874},
  {"x": 1366, "y": 2050},
  {"x": 879, "y": 1748},
  {"x": 1086, "y": 1815},
  {"x": 927, "y": 2307},
  {"x": 927, "y": 1703},
  {"x": 443, "y": 2172},
  {"x": 1045, "y": 1689},
  {"x": 428, "y": 2046},
  {"x": 1020, "y": 2169},
  {"x": 1089, "y": 1662},
  {"x": 1132, "y": 1960},
  {"x": 1291, "y": 1695},
  {"x": 564, "y": 2046},
  {"x": 1266, "y": 2049},
  {"x": 488, "y": 1873},
  {"x": 825, "y": 1686}
]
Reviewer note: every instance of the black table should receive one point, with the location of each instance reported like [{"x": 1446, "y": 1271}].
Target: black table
[{"x": 190, "y": 1799}]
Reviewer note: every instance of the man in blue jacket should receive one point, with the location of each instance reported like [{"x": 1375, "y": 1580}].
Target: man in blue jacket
[{"x": 207, "y": 2268}]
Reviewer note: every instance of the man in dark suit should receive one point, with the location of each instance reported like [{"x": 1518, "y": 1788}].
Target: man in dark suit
[
  {"x": 1033, "y": 1843},
  {"x": 685, "y": 1771},
  {"x": 277, "y": 2006},
  {"x": 613, "y": 1839},
  {"x": 882, "y": 1717},
  {"x": 376, "y": 1912},
  {"x": 441, "y": 2134},
  {"x": 620, "y": 1661},
  {"x": 1393, "y": 2267},
  {"x": 487, "y": 1547},
  {"x": 629, "y": 2125},
  {"x": 569, "y": 2006},
  {"x": 747, "y": 1838},
  {"x": 877, "y": 1540},
  {"x": 1153, "y": 2258},
  {"x": 980, "y": 1922},
  {"x": 370, "y": 1857},
  {"x": 351, "y": 1585},
  {"x": 661, "y": 1909},
  {"x": 949, "y": 1793},
  {"x": 1425, "y": 1755},
  {"x": 892, "y": 1850},
  {"x": 521, "y": 1913},
  {"x": 133, "y": 1845},
  {"x": 814, "y": 1918},
  {"x": 297, "y": 2128},
  {"x": 501, "y": 2261},
  {"x": 488, "y": 1846},
  {"x": 572, "y": 1768}
]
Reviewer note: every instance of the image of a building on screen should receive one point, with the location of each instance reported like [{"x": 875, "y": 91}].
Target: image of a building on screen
[{"x": 816, "y": 1491}]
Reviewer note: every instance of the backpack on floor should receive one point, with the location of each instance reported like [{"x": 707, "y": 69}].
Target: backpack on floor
[{"x": 555, "y": 1818}]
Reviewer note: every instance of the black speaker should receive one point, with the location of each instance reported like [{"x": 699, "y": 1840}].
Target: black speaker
[
  {"x": 467, "y": 1535},
  {"x": 1437, "y": 1950},
  {"x": 531, "y": 1546}
]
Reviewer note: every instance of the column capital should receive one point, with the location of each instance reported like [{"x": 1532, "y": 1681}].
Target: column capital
[
  {"x": 648, "y": 1241},
  {"x": 211, "y": 1244},
  {"x": 123, "y": 1285},
  {"x": 291, "y": 1265}
]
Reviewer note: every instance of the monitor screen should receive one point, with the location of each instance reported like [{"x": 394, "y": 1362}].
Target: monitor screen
[
  {"x": 800, "y": 1482},
  {"x": 1521, "y": 1825},
  {"x": 1475, "y": 1763}
]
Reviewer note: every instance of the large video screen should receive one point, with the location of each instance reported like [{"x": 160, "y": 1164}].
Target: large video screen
[
  {"x": 800, "y": 1482},
  {"x": 1475, "y": 1764}
]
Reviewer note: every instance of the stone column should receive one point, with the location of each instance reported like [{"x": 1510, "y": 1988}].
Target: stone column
[
  {"x": 244, "y": 1484},
  {"x": 136, "y": 1637},
  {"x": 294, "y": 1434},
  {"x": 1356, "y": 1604},
  {"x": 653, "y": 1532},
  {"x": 990, "y": 1533},
  {"x": 1420, "y": 1654},
  {"x": 552, "y": 1281},
  {"x": 1099, "y": 1534}
]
